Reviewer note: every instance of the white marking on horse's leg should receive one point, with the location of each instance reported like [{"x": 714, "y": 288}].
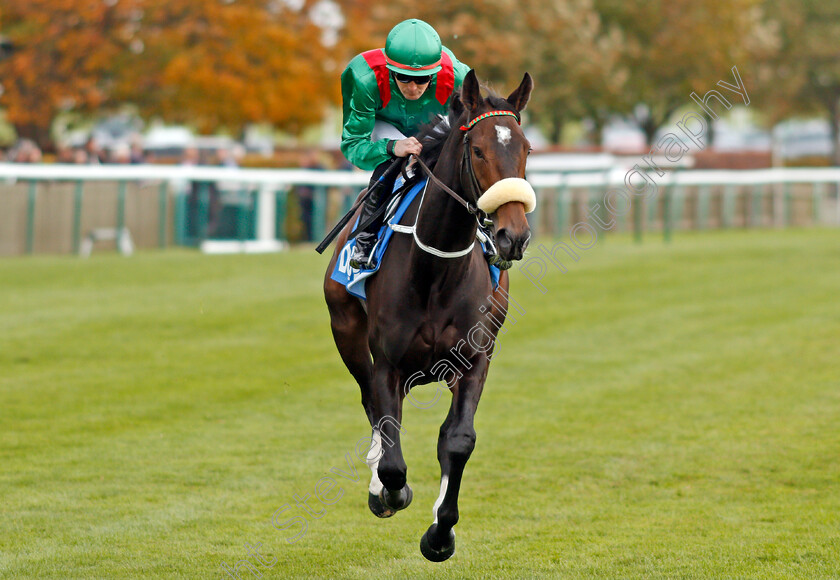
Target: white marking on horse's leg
[
  {"x": 444, "y": 482},
  {"x": 373, "y": 457},
  {"x": 503, "y": 135}
]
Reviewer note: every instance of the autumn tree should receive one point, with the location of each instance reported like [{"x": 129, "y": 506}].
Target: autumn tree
[
  {"x": 367, "y": 23},
  {"x": 562, "y": 43},
  {"x": 802, "y": 75},
  {"x": 63, "y": 57},
  {"x": 483, "y": 34},
  {"x": 577, "y": 62},
  {"x": 676, "y": 47},
  {"x": 208, "y": 63},
  {"x": 225, "y": 63}
]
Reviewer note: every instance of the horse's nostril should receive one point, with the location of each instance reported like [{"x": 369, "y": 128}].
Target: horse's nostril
[{"x": 504, "y": 242}]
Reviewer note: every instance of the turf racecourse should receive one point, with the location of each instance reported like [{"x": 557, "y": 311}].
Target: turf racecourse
[{"x": 660, "y": 412}]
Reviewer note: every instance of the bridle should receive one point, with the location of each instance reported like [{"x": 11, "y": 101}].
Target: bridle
[
  {"x": 471, "y": 182},
  {"x": 466, "y": 161},
  {"x": 468, "y": 180}
]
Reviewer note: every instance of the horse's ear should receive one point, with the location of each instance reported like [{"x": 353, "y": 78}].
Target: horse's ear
[
  {"x": 456, "y": 106},
  {"x": 470, "y": 91},
  {"x": 519, "y": 97}
]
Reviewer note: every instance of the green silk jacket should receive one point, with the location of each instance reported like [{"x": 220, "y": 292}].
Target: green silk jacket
[{"x": 362, "y": 107}]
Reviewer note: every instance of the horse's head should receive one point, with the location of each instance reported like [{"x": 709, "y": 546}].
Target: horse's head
[{"x": 495, "y": 151}]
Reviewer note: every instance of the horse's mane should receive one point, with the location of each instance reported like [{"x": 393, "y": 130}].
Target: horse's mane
[{"x": 433, "y": 135}]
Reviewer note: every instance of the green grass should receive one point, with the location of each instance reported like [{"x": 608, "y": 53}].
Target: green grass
[{"x": 660, "y": 412}]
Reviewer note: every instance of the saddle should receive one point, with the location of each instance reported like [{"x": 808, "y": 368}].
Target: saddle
[{"x": 353, "y": 279}]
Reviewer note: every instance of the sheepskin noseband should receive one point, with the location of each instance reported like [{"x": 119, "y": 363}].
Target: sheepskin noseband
[{"x": 505, "y": 191}]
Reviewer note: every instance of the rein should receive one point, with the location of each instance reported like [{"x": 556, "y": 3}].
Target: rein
[
  {"x": 472, "y": 209},
  {"x": 466, "y": 164}
]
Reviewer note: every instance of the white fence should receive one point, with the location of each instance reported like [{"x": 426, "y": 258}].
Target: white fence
[{"x": 686, "y": 198}]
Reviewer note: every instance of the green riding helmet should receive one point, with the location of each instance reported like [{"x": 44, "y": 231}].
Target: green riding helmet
[{"x": 413, "y": 48}]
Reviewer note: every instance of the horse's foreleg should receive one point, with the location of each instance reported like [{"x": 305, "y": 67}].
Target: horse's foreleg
[
  {"x": 388, "y": 491},
  {"x": 455, "y": 445}
]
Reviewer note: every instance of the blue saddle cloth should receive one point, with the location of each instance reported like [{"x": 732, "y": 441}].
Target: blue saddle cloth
[{"x": 354, "y": 279}]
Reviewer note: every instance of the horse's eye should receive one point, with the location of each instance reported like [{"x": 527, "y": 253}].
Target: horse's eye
[
  {"x": 529, "y": 150},
  {"x": 477, "y": 153}
]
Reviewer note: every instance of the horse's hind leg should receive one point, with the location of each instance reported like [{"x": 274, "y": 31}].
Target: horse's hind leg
[
  {"x": 350, "y": 329},
  {"x": 455, "y": 445}
]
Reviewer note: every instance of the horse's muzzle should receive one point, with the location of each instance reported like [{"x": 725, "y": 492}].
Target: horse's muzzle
[{"x": 512, "y": 245}]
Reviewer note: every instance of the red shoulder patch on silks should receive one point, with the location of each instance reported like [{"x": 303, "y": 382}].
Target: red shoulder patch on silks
[
  {"x": 445, "y": 79},
  {"x": 376, "y": 61}
]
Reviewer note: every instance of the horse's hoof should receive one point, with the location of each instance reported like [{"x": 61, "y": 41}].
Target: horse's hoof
[
  {"x": 379, "y": 509},
  {"x": 396, "y": 500},
  {"x": 437, "y": 555}
]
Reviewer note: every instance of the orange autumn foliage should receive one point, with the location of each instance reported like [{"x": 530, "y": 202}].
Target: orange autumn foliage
[
  {"x": 207, "y": 63},
  {"x": 63, "y": 57},
  {"x": 213, "y": 64}
]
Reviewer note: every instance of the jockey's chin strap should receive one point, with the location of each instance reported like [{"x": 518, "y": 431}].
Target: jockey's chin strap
[{"x": 471, "y": 184}]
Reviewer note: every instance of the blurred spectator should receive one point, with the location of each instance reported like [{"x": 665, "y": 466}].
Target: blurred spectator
[
  {"x": 193, "y": 157},
  {"x": 25, "y": 151},
  {"x": 137, "y": 155},
  {"x": 306, "y": 193},
  {"x": 120, "y": 154},
  {"x": 94, "y": 151},
  {"x": 80, "y": 156},
  {"x": 230, "y": 157},
  {"x": 238, "y": 152},
  {"x": 225, "y": 158},
  {"x": 64, "y": 154}
]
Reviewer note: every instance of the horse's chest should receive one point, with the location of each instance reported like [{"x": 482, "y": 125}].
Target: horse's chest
[
  {"x": 426, "y": 323},
  {"x": 436, "y": 338},
  {"x": 427, "y": 343}
]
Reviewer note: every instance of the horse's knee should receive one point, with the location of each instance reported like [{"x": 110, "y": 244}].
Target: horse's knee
[{"x": 461, "y": 443}]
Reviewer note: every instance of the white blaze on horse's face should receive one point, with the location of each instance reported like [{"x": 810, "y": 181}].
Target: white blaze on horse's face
[{"x": 503, "y": 135}]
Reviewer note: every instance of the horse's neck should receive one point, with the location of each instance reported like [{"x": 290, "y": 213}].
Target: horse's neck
[{"x": 442, "y": 222}]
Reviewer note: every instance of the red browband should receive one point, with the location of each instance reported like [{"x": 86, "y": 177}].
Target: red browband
[{"x": 469, "y": 125}]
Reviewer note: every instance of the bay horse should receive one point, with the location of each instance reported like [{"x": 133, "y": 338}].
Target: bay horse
[{"x": 433, "y": 295}]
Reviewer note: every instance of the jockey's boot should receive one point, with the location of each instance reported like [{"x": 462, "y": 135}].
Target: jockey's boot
[
  {"x": 381, "y": 188},
  {"x": 363, "y": 252},
  {"x": 366, "y": 239}
]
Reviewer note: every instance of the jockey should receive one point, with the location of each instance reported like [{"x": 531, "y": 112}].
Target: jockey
[{"x": 387, "y": 95}]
